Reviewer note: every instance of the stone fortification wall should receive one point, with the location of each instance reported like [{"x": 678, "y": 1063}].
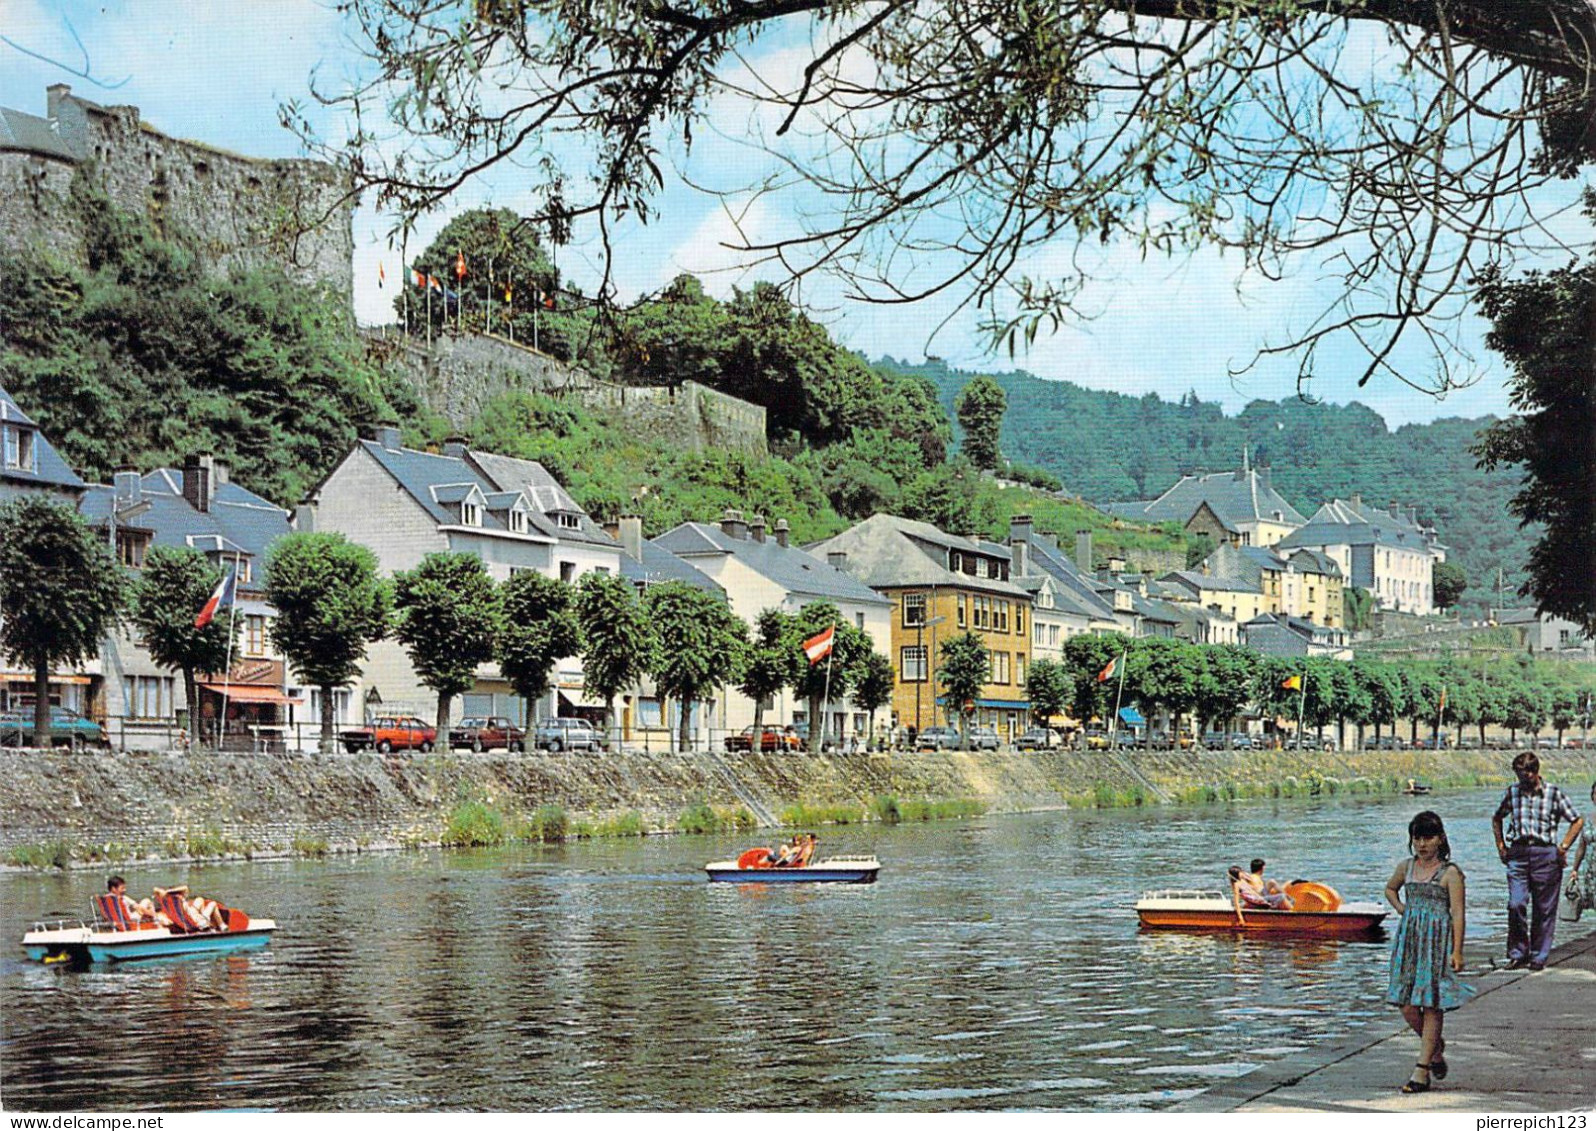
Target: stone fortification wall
[
  {"x": 234, "y": 210},
  {"x": 265, "y": 802},
  {"x": 458, "y": 374},
  {"x": 1158, "y": 562}
]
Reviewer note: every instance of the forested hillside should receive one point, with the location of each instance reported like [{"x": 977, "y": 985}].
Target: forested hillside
[{"x": 1107, "y": 447}]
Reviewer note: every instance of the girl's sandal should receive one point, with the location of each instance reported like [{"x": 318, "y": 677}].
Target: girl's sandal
[
  {"x": 1415, "y": 1086},
  {"x": 1438, "y": 1066}
]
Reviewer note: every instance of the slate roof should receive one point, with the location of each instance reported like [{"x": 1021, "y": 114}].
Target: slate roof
[
  {"x": 1197, "y": 580},
  {"x": 795, "y": 570},
  {"x": 1341, "y": 522},
  {"x": 1313, "y": 561},
  {"x": 238, "y": 520},
  {"x": 1075, "y": 590},
  {"x": 25, "y": 132},
  {"x": 660, "y": 565},
  {"x": 885, "y": 551},
  {"x": 436, "y": 481},
  {"x": 548, "y": 497},
  {"x": 1233, "y": 496},
  {"x": 49, "y": 469}
]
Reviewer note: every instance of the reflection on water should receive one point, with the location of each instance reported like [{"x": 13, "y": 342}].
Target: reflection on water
[{"x": 996, "y": 965}]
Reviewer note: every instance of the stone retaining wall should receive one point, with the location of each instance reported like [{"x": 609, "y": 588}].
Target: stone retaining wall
[{"x": 264, "y": 802}]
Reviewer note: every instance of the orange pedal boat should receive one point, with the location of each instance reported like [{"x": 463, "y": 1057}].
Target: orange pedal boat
[{"x": 1317, "y": 911}]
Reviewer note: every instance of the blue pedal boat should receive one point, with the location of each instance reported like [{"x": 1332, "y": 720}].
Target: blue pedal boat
[
  {"x": 82, "y": 943},
  {"x": 833, "y": 870}
]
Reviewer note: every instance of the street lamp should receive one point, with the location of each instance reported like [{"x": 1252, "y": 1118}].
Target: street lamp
[{"x": 925, "y": 664}]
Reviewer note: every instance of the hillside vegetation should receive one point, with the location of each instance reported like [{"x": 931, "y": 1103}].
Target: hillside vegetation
[{"x": 1108, "y": 447}]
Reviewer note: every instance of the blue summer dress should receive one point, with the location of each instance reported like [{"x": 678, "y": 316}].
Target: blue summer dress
[{"x": 1421, "y": 973}]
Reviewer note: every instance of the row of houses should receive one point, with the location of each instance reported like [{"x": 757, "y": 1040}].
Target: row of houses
[{"x": 906, "y": 584}]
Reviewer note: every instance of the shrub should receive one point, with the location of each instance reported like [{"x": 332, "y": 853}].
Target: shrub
[
  {"x": 206, "y": 842},
  {"x": 473, "y": 824},
  {"x": 51, "y": 854},
  {"x": 547, "y": 825},
  {"x": 941, "y": 810},
  {"x": 809, "y": 815},
  {"x": 699, "y": 818},
  {"x": 309, "y": 846},
  {"x": 886, "y": 808},
  {"x": 627, "y": 824}
]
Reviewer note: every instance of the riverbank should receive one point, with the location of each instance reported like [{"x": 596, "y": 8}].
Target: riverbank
[
  {"x": 1522, "y": 1044},
  {"x": 58, "y": 808}
]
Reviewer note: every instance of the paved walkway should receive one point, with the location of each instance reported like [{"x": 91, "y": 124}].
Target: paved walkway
[{"x": 1525, "y": 1043}]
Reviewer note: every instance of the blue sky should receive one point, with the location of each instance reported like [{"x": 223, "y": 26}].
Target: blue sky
[{"x": 217, "y": 73}]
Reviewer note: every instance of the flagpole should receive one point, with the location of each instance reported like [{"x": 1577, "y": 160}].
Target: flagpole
[
  {"x": 1302, "y": 701},
  {"x": 1440, "y": 709},
  {"x": 1119, "y": 696},
  {"x": 825, "y": 702},
  {"x": 428, "y": 280},
  {"x": 227, "y": 671}
]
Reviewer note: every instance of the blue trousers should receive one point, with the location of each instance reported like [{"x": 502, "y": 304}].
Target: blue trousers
[{"x": 1534, "y": 883}]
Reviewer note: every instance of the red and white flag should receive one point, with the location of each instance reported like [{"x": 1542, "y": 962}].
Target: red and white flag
[
  {"x": 1111, "y": 670},
  {"x": 818, "y": 647},
  {"x": 226, "y": 592}
]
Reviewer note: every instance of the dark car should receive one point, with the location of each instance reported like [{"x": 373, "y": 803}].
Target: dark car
[
  {"x": 771, "y": 739},
  {"x": 484, "y": 732},
  {"x": 67, "y": 728}
]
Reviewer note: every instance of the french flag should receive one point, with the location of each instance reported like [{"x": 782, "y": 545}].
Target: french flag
[{"x": 226, "y": 592}]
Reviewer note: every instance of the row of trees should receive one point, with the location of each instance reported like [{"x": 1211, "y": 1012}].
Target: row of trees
[{"x": 1216, "y": 683}]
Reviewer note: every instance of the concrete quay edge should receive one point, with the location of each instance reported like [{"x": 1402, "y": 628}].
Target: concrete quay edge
[{"x": 1525, "y": 1043}]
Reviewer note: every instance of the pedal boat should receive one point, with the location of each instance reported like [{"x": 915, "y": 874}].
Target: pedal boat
[
  {"x": 1318, "y": 913},
  {"x": 80, "y": 943},
  {"x": 832, "y": 870}
]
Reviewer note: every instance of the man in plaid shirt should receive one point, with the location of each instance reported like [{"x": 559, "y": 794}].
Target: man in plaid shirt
[{"x": 1534, "y": 857}]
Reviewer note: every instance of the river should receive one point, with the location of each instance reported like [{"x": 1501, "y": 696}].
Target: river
[{"x": 996, "y": 965}]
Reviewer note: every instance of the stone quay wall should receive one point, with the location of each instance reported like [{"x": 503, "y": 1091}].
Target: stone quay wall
[{"x": 265, "y": 802}]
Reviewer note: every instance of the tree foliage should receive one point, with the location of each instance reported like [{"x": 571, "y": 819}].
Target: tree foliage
[
  {"x": 539, "y": 628},
  {"x": 963, "y": 669},
  {"x": 829, "y": 680},
  {"x": 173, "y": 586},
  {"x": 773, "y": 663},
  {"x": 618, "y": 639},
  {"x": 1048, "y": 687},
  {"x": 980, "y": 407},
  {"x": 60, "y": 593},
  {"x": 331, "y": 603},
  {"x": 447, "y": 617},
  {"x": 872, "y": 686},
  {"x": 702, "y": 646},
  {"x": 1449, "y": 581}
]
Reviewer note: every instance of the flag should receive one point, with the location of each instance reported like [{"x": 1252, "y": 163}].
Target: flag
[
  {"x": 1442, "y": 707},
  {"x": 432, "y": 281},
  {"x": 1111, "y": 670},
  {"x": 459, "y": 265},
  {"x": 382, "y": 275},
  {"x": 222, "y": 598},
  {"x": 417, "y": 279},
  {"x": 1293, "y": 683},
  {"x": 546, "y": 299},
  {"x": 818, "y": 647}
]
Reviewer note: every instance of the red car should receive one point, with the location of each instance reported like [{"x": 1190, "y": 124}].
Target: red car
[
  {"x": 771, "y": 739},
  {"x": 390, "y": 732}
]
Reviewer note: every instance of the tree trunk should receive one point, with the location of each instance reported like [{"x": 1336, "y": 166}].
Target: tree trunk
[
  {"x": 191, "y": 697},
  {"x": 817, "y": 725},
  {"x": 41, "y": 704},
  {"x": 441, "y": 743},
  {"x": 326, "y": 743},
  {"x": 684, "y": 726},
  {"x": 609, "y": 723}
]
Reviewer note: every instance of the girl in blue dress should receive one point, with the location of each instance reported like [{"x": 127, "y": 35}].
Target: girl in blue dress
[{"x": 1427, "y": 891}]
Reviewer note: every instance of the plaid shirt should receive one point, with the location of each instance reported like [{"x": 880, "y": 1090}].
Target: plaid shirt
[{"x": 1534, "y": 815}]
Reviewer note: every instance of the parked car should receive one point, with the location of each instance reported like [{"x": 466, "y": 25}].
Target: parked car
[
  {"x": 984, "y": 738},
  {"x": 559, "y": 734},
  {"x": 1036, "y": 738},
  {"x": 67, "y": 728},
  {"x": 390, "y": 732},
  {"x": 771, "y": 739},
  {"x": 1094, "y": 738},
  {"x": 1128, "y": 740},
  {"x": 938, "y": 738},
  {"x": 1384, "y": 742},
  {"x": 486, "y": 732}
]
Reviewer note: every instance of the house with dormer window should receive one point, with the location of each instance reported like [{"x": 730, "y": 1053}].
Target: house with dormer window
[
  {"x": 29, "y": 465},
  {"x": 1389, "y": 552},
  {"x": 511, "y": 513},
  {"x": 1240, "y": 507}
]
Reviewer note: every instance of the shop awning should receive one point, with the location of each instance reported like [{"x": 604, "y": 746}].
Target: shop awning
[
  {"x": 1130, "y": 716},
  {"x": 250, "y": 693},
  {"x": 576, "y": 701},
  {"x": 27, "y": 678},
  {"x": 1005, "y": 704}
]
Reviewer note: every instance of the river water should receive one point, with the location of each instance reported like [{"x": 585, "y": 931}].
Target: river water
[{"x": 996, "y": 965}]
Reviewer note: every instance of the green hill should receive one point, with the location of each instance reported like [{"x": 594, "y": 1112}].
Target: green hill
[{"x": 1108, "y": 447}]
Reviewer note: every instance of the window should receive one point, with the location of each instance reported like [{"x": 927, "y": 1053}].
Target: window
[
  {"x": 567, "y": 571},
  {"x": 1000, "y": 616},
  {"x": 241, "y": 567},
  {"x": 1000, "y": 666},
  {"x": 470, "y": 514},
  {"x": 340, "y": 705},
  {"x": 569, "y": 521},
  {"x": 148, "y": 696},
  {"x": 858, "y": 621},
  {"x": 912, "y": 663},
  {"x": 913, "y": 610},
  {"x": 1019, "y": 668},
  {"x": 130, "y": 547},
  {"x": 254, "y": 635},
  {"x": 961, "y": 611},
  {"x": 1037, "y": 633},
  {"x": 16, "y": 447},
  {"x": 955, "y": 561},
  {"x": 518, "y": 522},
  {"x": 1019, "y": 620}
]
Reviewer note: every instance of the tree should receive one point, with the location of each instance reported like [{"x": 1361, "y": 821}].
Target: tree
[
  {"x": 60, "y": 593},
  {"x": 1048, "y": 687},
  {"x": 965, "y": 668},
  {"x": 330, "y": 604},
  {"x": 980, "y": 409},
  {"x": 828, "y": 680},
  {"x": 1224, "y": 681},
  {"x": 617, "y": 635},
  {"x": 448, "y": 621},
  {"x": 538, "y": 628},
  {"x": 173, "y": 586},
  {"x": 702, "y": 645},
  {"x": 773, "y": 662},
  {"x": 1449, "y": 581},
  {"x": 872, "y": 687},
  {"x": 1085, "y": 656}
]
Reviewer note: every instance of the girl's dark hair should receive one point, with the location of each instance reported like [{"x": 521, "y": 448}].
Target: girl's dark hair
[{"x": 1428, "y": 823}]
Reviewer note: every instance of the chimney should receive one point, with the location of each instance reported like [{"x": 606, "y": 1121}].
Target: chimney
[
  {"x": 305, "y": 518},
  {"x": 221, "y": 472},
  {"x": 1021, "y": 550},
  {"x": 1083, "y": 550},
  {"x": 837, "y": 559},
  {"x": 1265, "y": 477},
  {"x": 781, "y": 532},
  {"x": 1205, "y": 568},
  {"x": 1020, "y": 527},
  {"x": 1396, "y": 511},
  {"x": 630, "y": 535},
  {"x": 455, "y": 447},
  {"x": 756, "y": 528},
  {"x": 386, "y": 436},
  {"x": 1357, "y": 502},
  {"x": 128, "y": 488},
  {"x": 1413, "y": 516},
  {"x": 199, "y": 481},
  {"x": 733, "y": 526}
]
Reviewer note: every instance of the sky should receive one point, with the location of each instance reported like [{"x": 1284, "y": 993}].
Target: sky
[{"x": 217, "y": 73}]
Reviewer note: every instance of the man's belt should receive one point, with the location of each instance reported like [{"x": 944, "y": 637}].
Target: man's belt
[{"x": 1531, "y": 842}]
